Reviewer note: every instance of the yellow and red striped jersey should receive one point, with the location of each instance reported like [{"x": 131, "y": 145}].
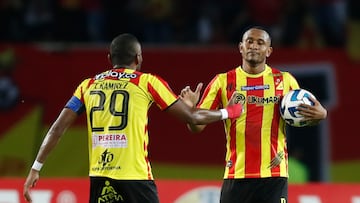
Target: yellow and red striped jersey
[
  {"x": 117, "y": 103},
  {"x": 256, "y": 141}
]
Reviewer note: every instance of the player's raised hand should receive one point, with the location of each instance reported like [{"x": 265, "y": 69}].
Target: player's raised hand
[
  {"x": 30, "y": 182},
  {"x": 190, "y": 97}
]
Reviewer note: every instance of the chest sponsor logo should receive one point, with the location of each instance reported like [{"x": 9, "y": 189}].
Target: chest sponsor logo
[{"x": 255, "y": 87}]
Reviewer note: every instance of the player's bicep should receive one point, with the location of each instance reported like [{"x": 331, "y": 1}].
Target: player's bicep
[{"x": 75, "y": 105}]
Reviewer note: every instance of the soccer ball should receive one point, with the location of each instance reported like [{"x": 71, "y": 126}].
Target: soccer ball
[{"x": 289, "y": 104}]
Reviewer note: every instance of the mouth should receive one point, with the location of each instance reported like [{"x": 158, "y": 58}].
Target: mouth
[{"x": 253, "y": 53}]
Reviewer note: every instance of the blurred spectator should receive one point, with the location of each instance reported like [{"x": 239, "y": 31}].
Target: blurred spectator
[
  {"x": 71, "y": 23},
  {"x": 157, "y": 21},
  {"x": 353, "y": 44},
  {"x": 185, "y": 20},
  {"x": 9, "y": 92},
  {"x": 290, "y": 22},
  {"x": 117, "y": 19},
  {"x": 209, "y": 29},
  {"x": 12, "y": 20},
  {"x": 39, "y": 20},
  {"x": 268, "y": 14},
  {"x": 94, "y": 12},
  {"x": 234, "y": 19},
  {"x": 327, "y": 16}
]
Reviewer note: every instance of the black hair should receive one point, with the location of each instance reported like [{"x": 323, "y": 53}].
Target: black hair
[
  {"x": 258, "y": 27},
  {"x": 123, "y": 49}
]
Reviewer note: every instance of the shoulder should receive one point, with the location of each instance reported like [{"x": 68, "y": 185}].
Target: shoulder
[
  {"x": 87, "y": 81},
  {"x": 227, "y": 73},
  {"x": 285, "y": 74}
]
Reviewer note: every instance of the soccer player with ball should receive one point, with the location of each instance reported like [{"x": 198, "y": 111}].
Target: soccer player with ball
[{"x": 256, "y": 168}]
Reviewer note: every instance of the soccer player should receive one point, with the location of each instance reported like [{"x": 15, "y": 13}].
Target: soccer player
[
  {"x": 116, "y": 103},
  {"x": 256, "y": 168}
]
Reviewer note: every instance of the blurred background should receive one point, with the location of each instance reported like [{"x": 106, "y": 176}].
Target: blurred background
[{"x": 48, "y": 46}]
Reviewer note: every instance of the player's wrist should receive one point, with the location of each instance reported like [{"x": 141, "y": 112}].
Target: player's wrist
[
  {"x": 37, "y": 165},
  {"x": 233, "y": 111},
  {"x": 224, "y": 114}
]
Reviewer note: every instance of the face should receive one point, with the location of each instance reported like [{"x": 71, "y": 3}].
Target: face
[{"x": 255, "y": 46}]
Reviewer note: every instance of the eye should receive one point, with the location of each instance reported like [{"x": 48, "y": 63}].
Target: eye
[
  {"x": 249, "y": 41},
  {"x": 261, "y": 42}
]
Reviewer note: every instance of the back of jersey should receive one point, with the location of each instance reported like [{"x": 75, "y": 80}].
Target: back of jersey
[{"x": 117, "y": 103}]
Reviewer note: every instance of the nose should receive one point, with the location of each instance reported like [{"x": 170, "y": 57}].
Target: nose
[{"x": 254, "y": 45}]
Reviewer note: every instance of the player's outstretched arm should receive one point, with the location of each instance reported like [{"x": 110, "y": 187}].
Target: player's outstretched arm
[
  {"x": 197, "y": 116},
  {"x": 187, "y": 96},
  {"x": 184, "y": 109},
  {"x": 64, "y": 120}
]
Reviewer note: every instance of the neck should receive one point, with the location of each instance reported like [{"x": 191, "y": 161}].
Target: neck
[
  {"x": 253, "y": 68},
  {"x": 123, "y": 66}
]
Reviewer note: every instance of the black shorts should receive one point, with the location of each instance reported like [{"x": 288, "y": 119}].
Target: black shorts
[
  {"x": 107, "y": 190},
  {"x": 255, "y": 190}
]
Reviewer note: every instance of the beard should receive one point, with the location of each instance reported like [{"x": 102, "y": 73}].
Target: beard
[{"x": 254, "y": 59}]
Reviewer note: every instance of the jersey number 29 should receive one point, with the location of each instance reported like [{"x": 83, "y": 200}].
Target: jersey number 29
[{"x": 123, "y": 114}]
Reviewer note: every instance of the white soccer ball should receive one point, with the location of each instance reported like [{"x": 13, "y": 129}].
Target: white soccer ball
[{"x": 289, "y": 104}]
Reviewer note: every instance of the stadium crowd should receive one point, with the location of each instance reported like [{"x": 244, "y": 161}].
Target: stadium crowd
[{"x": 290, "y": 22}]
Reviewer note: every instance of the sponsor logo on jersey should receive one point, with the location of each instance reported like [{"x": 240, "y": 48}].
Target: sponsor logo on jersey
[
  {"x": 252, "y": 99},
  {"x": 109, "y": 140},
  {"x": 116, "y": 75},
  {"x": 104, "y": 162},
  {"x": 109, "y": 194},
  {"x": 255, "y": 87}
]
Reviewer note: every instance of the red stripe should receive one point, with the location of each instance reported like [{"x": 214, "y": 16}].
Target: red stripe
[
  {"x": 230, "y": 88},
  {"x": 157, "y": 97},
  {"x": 216, "y": 101},
  {"x": 276, "y": 118},
  {"x": 147, "y": 163},
  {"x": 91, "y": 81},
  {"x": 253, "y": 125},
  {"x": 137, "y": 78},
  {"x": 145, "y": 149},
  {"x": 166, "y": 85}
]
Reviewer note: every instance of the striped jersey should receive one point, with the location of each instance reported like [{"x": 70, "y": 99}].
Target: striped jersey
[
  {"x": 116, "y": 104},
  {"x": 256, "y": 141}
]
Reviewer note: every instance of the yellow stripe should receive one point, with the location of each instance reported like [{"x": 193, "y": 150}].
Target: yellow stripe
[
  {"x": 266, "y": 129},
  {"x": 240, "y": 129}
]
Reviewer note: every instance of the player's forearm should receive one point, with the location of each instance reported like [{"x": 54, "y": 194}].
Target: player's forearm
[
  {"x": 59, "y": 127},
  {"x": 48, "y": 144},
  {"x": 195, "y": 128},
  {"x": 201, "y": 117}
]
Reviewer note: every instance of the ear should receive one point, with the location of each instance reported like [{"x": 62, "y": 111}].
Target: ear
[
  {"x": 138, "y": 59},
  {"x": 269, "y": 51},
  {"x": 240, "y": 47},
  {"x": 109, "y": 59}
]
